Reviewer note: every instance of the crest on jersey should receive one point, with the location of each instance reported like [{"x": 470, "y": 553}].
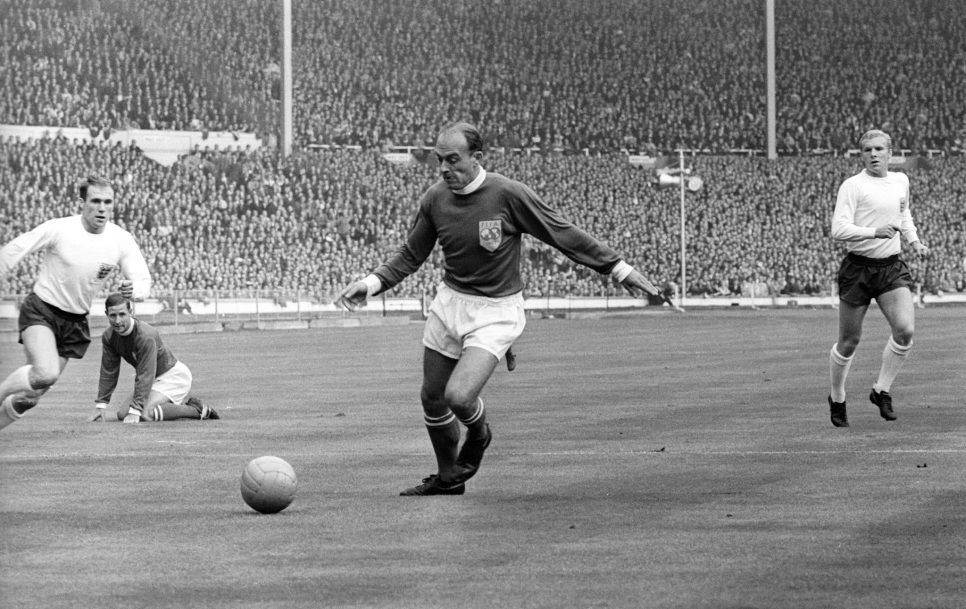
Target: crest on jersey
[
  {"x": 104, "y": 270},
  {"x": 491, "y": 234}
]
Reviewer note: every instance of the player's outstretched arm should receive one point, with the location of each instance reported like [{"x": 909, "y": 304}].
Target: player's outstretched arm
[
  {"x": 354, "y": 295},
  {"x": 635, "y": 283}
]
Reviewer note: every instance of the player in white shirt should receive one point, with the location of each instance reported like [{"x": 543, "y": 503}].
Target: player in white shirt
[
  {"x": 871, "y": 212},
  {"x": 80, "y": 253}
]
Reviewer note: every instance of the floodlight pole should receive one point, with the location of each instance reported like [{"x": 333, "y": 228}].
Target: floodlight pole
[
  {"x": 770, "y": 85},
  {"x": 286, "y": 117},
  {"x": 684, "y": 280}
]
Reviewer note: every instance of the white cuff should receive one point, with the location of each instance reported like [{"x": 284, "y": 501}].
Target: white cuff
[
  {"x": 140, "y": 289},
  {"x": 100, "y": 405},
  {"x": 621, "y": 270},
  {"x": 373, "y": 283}
]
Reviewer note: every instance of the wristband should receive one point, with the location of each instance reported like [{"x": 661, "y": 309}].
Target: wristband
[
  {"x": 100, "y": 405},
  {"x": 621, "y": 270},
  {"x": 373, "y": 283}
]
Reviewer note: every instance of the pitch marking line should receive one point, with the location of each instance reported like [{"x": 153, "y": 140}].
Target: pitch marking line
[
  {"x": 712, "y": 451},
  {"x": 557, "y": 453}
]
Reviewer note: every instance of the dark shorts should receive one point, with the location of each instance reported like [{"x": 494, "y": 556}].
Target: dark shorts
[
  {"x": 861, "y": 279},
  {"x": 70, "y": 329}
]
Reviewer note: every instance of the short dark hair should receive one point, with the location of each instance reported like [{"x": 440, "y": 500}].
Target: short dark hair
[
  {"x": 92, "y": 181},
  {"x": 115, "y": 299},
  {"x": 474, "y": 139}
]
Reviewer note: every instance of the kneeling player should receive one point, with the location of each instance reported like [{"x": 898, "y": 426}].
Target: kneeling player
[{"x": 161, "y": 382}]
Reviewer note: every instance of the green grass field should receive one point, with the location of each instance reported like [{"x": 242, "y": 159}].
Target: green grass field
[{"x": 649, "y": 460}]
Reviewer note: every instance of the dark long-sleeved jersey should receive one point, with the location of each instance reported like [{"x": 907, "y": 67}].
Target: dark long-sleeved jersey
[
  {"x": 143, "y": 349},
  {"x": 480, "y": 235}
]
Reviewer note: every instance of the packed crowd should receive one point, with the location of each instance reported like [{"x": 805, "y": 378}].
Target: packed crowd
[
  {"x": 237, "y": 221},
  {"x": 603, "y": 76},
  {"x": 567, "y": 75}
]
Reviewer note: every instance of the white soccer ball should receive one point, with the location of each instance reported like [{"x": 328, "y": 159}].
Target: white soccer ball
[{"x": 268, "y": 484}]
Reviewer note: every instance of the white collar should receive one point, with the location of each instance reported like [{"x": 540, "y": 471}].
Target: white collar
[
  {"x": 475, "y": 184},
  {"x": 130, "y": 328}
]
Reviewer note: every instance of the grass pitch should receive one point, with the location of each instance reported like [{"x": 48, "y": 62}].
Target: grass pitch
[{"x": 648, "y": 460}]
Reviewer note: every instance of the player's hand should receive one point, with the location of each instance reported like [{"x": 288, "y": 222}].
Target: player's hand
[
  {"x": 127, "y": 289},
  {"x": 354, "y": 295},
  {"x": 886, "y": 232},
  {"x": 635, "y": 283},
  {"x": 920, "y": 249},
  {"x": 100, "y": 414}
]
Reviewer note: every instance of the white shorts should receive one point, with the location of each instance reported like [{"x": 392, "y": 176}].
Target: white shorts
[
  {"x": 174, "y": 384},
  {"x": 457, "y": 321}
]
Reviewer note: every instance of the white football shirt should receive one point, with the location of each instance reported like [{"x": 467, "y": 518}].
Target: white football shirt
[
  {"x": 866, "y": 202},
  {"x": 77, "y": 262}
]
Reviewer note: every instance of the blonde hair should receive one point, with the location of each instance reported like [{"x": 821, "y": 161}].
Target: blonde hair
[{"x": 873, "y": 133}]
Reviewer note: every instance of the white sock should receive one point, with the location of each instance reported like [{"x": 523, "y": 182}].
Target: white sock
[
  {"x": 838, "y": 371},
  {"x": 19, "y": 380},
  {"x": 893, "y": 357},
  {"x": 7, "y": 414}
]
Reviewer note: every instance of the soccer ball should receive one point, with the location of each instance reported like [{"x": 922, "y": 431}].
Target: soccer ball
[{"x": 268, "y": 484}]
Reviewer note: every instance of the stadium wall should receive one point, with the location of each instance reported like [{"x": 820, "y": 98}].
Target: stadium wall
[
  {"x": 272, "y": 309},
  {"x": 164, "y": 147},
  {"x": 268, "y": 314}
]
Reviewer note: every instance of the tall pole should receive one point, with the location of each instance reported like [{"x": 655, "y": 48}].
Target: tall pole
[
  {"x": 286, "y": 27},
  {"x": 684, "y": 279},
  {"x": 772, "y": 151}
]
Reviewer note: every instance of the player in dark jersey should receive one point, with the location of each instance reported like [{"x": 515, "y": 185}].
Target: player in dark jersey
[
  {"x": 161, "y": 382},
  {"x": 478, "y": 218}
]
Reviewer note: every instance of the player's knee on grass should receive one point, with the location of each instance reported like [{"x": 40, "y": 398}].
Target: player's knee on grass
[{"x": 123, "y": 412}]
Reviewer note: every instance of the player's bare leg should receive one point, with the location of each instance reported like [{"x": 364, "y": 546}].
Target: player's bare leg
[
  {"x": 449, "y": 395},
  {"x": 22, "y": 389},
  {"x": 441, "y": 422},
  {"x": 840, "y": 359},
  {"x": 474, "y": 369},
  {"x": 441, "y": 425},
  {"x": 899, "y": 310}
]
